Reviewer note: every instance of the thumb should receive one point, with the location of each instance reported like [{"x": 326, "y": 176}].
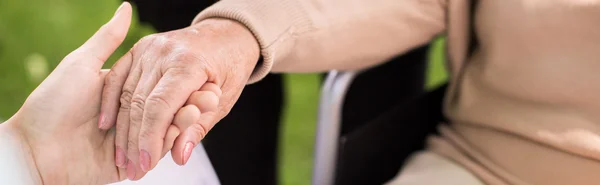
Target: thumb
[{"x": 107, "y": 39}]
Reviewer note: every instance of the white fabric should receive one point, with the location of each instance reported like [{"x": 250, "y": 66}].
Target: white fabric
[
  {"x": 427, "y": 168},
  {"x": 198, "y": 171}
]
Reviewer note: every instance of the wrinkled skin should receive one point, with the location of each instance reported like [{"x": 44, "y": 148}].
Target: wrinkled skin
[{"x": 175, "y": 83}]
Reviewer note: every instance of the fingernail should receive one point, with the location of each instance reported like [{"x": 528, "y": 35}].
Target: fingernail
[
  {"x": 144, "y": 160},
  {"x": 101, "y": 120},
  {"x": 120, "y": 157},
  {"x": 187, "y": 151},
  {"x": 130, "y": 170},
  {"x": 120, "y": 7}
]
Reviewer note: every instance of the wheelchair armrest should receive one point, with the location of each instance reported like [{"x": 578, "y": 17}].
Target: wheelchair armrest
[{"x": 331, "y": 102}]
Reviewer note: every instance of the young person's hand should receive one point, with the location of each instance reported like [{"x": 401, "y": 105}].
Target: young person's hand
[{"x": 57, "y": 125}]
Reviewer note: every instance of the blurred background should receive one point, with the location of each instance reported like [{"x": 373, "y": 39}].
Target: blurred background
[{"x": 36, "y": 34}]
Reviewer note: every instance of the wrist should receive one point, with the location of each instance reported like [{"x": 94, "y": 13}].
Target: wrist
[
  {"x": 239, "y": 41},
  {"x": 18, "y": 164}
]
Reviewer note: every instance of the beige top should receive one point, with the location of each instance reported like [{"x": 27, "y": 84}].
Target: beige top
[{"x": 525, "y": 106}]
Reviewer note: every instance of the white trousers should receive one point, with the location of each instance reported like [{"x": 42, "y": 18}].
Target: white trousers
[
  {"x": 428, "y": 168},
  {"x": 422, "y": 168}
]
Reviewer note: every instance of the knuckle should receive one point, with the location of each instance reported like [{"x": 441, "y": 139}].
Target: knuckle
[
  {"x": 201, "y": 130},
  {"x": 125, "y": 99},
  {"x": 138, "y": 102},
  {"x": 136, "y": 109},
  {"x": 158, "y": 101}
]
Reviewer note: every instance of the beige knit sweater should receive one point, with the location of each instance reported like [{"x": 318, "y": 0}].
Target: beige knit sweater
[{"x": 524, "y": 106}]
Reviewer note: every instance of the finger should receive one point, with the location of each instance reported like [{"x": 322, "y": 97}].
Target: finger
[
  {"x": 109, "y": 141},
  {"x": 124, "y": 114},
  {"x": 207, "y": 100},
  {"x": 113, "y": 86},
  {"x": 108, "y": 38},
  {"x": 144, "y": 81},
  {"x": 186, "y": 116},
  {"x": 212, "y": 87},
  {"x": 169, "y": 140},
  {"x": 189, "y": 138},
  {"x": 164, "y": 101},
  {"x": 173, "y": 132},
  {"x": 147, "y": 82},
  {"x": 202, "y": 101},
  {"x": 134, "y": 172}
]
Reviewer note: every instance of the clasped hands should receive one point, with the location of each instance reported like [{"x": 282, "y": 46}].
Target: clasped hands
[{"x": 84, "y": 125}]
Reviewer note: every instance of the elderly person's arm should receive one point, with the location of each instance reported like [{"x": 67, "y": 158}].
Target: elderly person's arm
[
  {"x": 320, "y": 35},
  {"x": 219, "y": 54}
]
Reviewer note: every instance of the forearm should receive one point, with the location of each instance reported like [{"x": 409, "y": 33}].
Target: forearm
[
  {"x": 17, "y": 162},
  {"x": 319, "y": 35}
]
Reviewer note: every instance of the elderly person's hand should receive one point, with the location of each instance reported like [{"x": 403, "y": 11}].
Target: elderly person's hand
[
  {"x": 54, "y": 136},
  {"x": 147, "y": 88}
]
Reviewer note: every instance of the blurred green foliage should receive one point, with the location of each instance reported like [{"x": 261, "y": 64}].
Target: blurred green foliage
[{"x": 36, "y": 34}]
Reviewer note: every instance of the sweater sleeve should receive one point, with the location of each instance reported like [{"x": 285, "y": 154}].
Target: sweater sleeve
[{"x": 321, "y": 35}]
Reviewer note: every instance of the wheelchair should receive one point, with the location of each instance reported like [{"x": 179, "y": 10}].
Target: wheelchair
[
  {"x": 384, "y": 160},
  {"x": 381, "y": 164}
]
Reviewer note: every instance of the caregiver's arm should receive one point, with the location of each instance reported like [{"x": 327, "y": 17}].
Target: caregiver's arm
[
  {"x": 320, "y": 35},
  {"x": 52, "y": 138},
  {"x": 16, "y": 158}
]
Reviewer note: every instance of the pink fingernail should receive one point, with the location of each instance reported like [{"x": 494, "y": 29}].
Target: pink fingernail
[
  {"x": 130, "y": 170},
  {"x": 187, "y": 151},
  {"x": 145, "y": 160},
  {"x": 120, "y": 158}
]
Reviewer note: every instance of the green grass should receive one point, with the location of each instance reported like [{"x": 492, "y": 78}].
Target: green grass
[{"x": 35, "y": 35}]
